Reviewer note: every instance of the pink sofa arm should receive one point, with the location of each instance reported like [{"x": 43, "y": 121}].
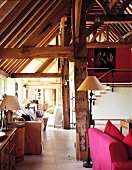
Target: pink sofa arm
[
  {"x": 122, "y": 165},
  {"x": 105, "y": 150}
]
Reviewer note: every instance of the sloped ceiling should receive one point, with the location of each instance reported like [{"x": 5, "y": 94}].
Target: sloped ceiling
[{"x": 27, "y": 27}]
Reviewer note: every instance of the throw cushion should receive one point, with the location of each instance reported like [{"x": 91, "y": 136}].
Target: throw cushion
[
  {"x": 128, "y": 143},
  {"x": 113, "y": 131},
  {"x": 32, "y": 114},
  {"x": 116, "y": 133},
  {"x": 39, "y": 113},
  {"x": 50, "y": 110},
  {"x": 108, "y": 127},
  {"x": 26, "y": 117}
]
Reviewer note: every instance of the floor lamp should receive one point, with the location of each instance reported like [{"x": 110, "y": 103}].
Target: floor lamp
[{"x": 90, "y": 83}]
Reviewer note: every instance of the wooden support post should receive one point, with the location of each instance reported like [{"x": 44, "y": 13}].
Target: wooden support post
[
  {"x": 66, "y": 95},
  {"x": 81, "y": 97},
  {"x": 81, "y": 109}
]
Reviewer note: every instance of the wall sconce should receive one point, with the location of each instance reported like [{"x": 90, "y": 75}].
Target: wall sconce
[{"x": 66, "y": 81}]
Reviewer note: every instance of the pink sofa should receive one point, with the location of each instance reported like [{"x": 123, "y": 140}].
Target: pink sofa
[{"x": 106, "y": 152}]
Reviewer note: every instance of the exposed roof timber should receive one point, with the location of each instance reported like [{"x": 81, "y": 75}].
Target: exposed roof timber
[
  {"x": 7, "y": 64},
  {"x": 42, "y": 52},
  {"x": 19, "y": 19},
  {"x": 78, "y": 7},
  {"x": 47, "y": 39},
  {"x": 117, "y": 34},
  {"x": 44, "y": 65},
  {"x": 7, "y": 8},
  {"x": 89, "y": 4},
  {"x": 104, "y": 6},
  {"x": 29, "y": 26},
  {"x": 13, "y": 66},
  {"x": 109, "y": 44},
  {"x": 50, "y": 38},
  {"x": 23, "y": 65},
  {"x": 15, "y": 37},
  {"x": 15, "y": 12},
  {"x": 112, "y": 3},
  {"x": 54, "y": 17},
  {"x": 19, "y": 65},
  {"x": 130, "y": 39},
  {"x": 127, "y": 34},
  {"x": 41, "y": 83},
  {"x": 124, "y": 6},
  {"x": 92, "y": 28},
  {"x": 35, "y": 75},
  {"x": 109, "y": 19},
  {"x": 4, "y": 73},
  {"x": 50, "y": 66},
  {"x": 97, "y": 34}
]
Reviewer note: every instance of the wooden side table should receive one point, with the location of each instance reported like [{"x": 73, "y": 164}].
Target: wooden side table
[
  {"x": 125, "y": 124},
  {"x": 19, "y": 141}
]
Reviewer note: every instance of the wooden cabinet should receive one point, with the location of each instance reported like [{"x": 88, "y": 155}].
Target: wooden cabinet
[
  {"x": 19, "y": 141},
  {"x": 7, "y": 151}
]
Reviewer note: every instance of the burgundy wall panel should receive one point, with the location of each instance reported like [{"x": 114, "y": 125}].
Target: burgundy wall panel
[{"x": 123, "y": 61}]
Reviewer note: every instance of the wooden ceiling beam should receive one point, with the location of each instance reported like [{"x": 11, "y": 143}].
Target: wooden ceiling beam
[
  {"x": 17, "y": 21},
  {"x": 44, "y": 65},
  {"x": 109, "y": 44},
  {"x": 7, "y": 8},
  {"x": 23, "y": 65},
  {"x": 42, "y": 83},
  {"x": 12, "y": 16},
  {"x": 109, "y": 19},
  {"x": 116, "y": 34},
  {"x": 4, "y": 73},
  {"x": 78, "y": 8},
  {"x": 104, "y": 6},
  {"x": 97, "y": 34},
  {"x": 51, "y": 19},
  {"x": 43, "y": 52},
  {"x": 49, "y": 38},
  {"x": 112, "y": 3},
  {"x": 14, "y": 37},
  {"x": 35, "y": 75},
  {"x": 124, "y": 6}
]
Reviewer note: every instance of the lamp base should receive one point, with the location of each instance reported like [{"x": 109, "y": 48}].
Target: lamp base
[{"x": 87, "y": 165}]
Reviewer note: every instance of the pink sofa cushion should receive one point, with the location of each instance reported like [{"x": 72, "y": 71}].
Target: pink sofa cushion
[
  {"x": 113, "y": 131},
  {"x": 128, "y": 143},
  {"x": 127, "y": 165},
  {"x": 108, "y": 127}
]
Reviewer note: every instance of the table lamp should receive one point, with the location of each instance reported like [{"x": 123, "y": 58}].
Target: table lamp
[
  {"x": 26, "y": 102},
  {"x": 90, "y": 83},
  {"x": 8, "y": 104}
]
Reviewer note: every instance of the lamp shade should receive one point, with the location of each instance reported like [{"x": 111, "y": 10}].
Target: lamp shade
[
  {"x": 26, "y": 101},
  {"x": 10, "y": 103},
  {"x": 91, "y": 83}
]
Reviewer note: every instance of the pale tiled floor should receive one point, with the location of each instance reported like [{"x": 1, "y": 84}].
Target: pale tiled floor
[{"x": 59, "y": 152}]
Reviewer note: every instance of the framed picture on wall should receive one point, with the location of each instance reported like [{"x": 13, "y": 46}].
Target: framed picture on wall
[{"x": 104, "y": 58}]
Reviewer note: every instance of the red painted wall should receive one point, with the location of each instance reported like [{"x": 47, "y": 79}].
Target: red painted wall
[{"x": 123, "y": 61}]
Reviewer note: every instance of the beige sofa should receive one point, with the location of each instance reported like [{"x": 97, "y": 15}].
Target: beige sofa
[{"x": 34, "y": 140}]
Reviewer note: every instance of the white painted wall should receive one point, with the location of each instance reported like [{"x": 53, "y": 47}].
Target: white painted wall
[
  {"x": 117, "y": 104},
  {"x": 10, "y": 86}
]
